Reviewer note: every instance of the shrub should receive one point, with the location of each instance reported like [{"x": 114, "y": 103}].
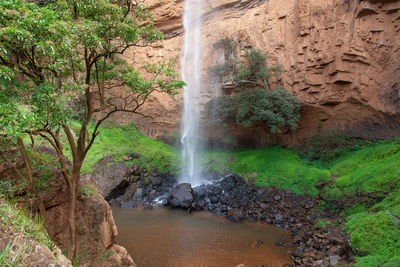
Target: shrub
[
  {"x": 254, "y": 67},
  {"x": 276, "y": 108},
  {"x": 228, "y": 45}
]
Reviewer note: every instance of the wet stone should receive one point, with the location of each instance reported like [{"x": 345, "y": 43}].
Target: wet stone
[{"x": 182, "y": 196}]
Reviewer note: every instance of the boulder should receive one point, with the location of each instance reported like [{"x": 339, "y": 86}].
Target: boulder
[
  {"x": 182, "y": 196},
  {"x": 110, "y": 177}
]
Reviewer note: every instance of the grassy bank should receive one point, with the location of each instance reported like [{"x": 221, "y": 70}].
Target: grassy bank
[
  {"x": 122, "y": 139},
  {"x": 119, "y": 140},
  {"x": 367, "y": 169},
  {"x": 272, "y": 167},
  {"x": 19, "y": 229}
]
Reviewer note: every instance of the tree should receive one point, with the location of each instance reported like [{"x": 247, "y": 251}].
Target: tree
[
  {"x": 254, "y": 67},
  {"x": 276, "y": 108},
  {"x": 69, "y": 51},
  {"x": 252, "y": 101},
  {"x": 228, "y": 46}
]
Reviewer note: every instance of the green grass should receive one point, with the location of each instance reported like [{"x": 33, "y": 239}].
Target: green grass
[
  {"x": 373, "y": 168},
  {"x": 15, "y": 256},
  {"x": 122, "y": 139},
  {"x": 376, "y": 237},
  {"x": 119, "y": 139},
  {"x": 16, "y": 223},
  {"x": 374, "y": 232},
  {"x": 279, "y": 167},
  {"x": 271, "y": 167}
]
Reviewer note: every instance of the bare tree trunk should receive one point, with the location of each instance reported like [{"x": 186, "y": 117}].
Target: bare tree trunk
[
  {"x": 71, "y": 219},
  {"x": 30, "y": 177},
  {"x": 72, "y": 196},
  {"x": 71, "y": 179}
]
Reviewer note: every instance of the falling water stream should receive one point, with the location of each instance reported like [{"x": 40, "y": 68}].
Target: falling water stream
[
  {"x": 165, "y": 237},
  {"x": 191, "y": 74}
]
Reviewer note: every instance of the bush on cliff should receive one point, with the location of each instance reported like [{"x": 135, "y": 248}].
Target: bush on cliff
[
  {"x": 252, "y": 101},
  {"x": 274, "y": 109}
]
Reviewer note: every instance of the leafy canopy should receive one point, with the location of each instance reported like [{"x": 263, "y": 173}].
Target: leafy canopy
[
  {"x": 63, "y": 60},
  {"x": 69, "y": 52},
  {"x": 276, "y": 108},
  {"x": 251, "y": 101}
]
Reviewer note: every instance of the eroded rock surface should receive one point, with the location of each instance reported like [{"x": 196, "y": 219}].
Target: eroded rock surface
[
  {"x": 96, "y": 230},
  {"x": 108, "y": 174},
  {"x": 339, "y": 57}
]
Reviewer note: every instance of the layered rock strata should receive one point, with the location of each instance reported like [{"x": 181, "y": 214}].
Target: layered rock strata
[{"x": 340, "y": 57}]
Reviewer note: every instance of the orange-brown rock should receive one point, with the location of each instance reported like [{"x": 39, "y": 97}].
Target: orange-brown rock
[
  {"x": 95, "y": 227},
  {"x": 96, "y": 230},
  {"x": 340, "y": 57}
]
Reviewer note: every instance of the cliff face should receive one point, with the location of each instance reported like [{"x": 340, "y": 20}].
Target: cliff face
[{"x": 340, "y": 57}]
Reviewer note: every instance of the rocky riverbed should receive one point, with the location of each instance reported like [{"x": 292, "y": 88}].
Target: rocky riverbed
[{"x": 317, "y": 237}]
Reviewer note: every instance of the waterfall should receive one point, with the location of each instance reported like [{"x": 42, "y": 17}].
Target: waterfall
[{"x": 191, "y": 73}]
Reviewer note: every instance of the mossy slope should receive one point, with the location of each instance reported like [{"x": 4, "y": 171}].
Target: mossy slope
[
  {"x": 122, "y": 139},
  {"x": 374, "y": 232}
]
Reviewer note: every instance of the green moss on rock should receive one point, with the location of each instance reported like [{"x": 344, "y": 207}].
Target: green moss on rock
[{"x": 375, "y": 237}]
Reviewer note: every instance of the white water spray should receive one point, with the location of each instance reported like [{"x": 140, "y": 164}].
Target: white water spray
[{"x": 191, "y": 74}]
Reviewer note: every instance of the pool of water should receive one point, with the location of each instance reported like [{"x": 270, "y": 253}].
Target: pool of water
[{"x": 164, "y": 237}]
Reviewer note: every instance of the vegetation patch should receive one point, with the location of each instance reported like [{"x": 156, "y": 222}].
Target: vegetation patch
[
  {"x": 13, "y": 256},
  {"x": 372, "y": 168},
  {"x": 18, "y": 226},
  {"x": 275, "y": 109},
  {"x": 375, "y": 237},
  {"x": 122, "y": 139},
  {"x": 375, "y": 234},
  {"x": 273, "y": 167},
  {"x": 15, "y": 220},
  {"x": 88, "y": 190}
]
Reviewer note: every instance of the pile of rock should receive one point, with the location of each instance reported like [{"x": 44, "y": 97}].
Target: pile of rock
[{"x": 239, "y": 201}]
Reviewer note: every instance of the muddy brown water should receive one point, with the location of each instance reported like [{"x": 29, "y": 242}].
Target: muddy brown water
[{"x": 163, "y": 237}]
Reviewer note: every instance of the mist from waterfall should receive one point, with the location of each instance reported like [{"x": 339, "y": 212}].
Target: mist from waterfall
[{"x": 191, "y": 69}]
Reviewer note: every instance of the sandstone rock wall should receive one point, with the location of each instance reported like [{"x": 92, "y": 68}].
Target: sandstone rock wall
[
  {"x": 340, "y": 57},
  {"x": 96, "y": 230}
]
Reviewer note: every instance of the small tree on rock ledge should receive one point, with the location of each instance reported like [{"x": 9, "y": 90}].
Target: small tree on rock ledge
[
  {"x": 252, "y": 100},
  {"x": 68, "y": 51},
  {"x": 275, "y": 109}
]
